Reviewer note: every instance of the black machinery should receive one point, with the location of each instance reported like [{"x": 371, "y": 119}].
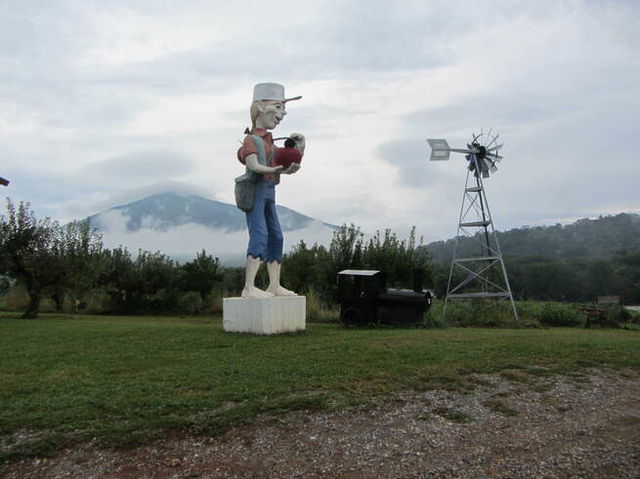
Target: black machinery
[{"x": 365, "y": 299}]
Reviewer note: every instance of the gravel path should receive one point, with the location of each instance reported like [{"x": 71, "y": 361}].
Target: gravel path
[{"x": 511, "y": 426}]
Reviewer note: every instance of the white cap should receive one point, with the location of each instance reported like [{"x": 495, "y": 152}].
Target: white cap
[{"x": 271, "y": 91}]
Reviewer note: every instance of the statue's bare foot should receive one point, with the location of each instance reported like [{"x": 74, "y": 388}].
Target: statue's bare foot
[
  {"x": 253, "y": 292},
  {"x": 280, "y": 291}
]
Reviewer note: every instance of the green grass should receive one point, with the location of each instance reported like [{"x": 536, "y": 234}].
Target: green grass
[{"x": 125, "y": 380}]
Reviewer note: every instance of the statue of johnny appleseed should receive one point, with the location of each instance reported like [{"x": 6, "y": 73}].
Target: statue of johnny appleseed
[{"x": 256, "y": 189}]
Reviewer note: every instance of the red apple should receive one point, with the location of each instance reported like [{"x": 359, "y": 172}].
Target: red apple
[{"x": 286, "y": 156}]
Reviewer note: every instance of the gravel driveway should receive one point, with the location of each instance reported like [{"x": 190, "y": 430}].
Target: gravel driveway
[{"x": 512, "y": 425}]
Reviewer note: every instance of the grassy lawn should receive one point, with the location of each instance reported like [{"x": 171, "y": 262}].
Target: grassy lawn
[{"x": 125, "y": 380}]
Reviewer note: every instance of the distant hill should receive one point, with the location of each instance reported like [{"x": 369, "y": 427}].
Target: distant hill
[
  {"x": 182, "y": 225},
  {"x": 589, "y": 239}
]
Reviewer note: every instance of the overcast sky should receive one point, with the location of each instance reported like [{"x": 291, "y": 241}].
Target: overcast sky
[{"x": 104, "y": 102}]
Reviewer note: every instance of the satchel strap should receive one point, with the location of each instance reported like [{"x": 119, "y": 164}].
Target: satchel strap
[{"x": 262, "y": 157}]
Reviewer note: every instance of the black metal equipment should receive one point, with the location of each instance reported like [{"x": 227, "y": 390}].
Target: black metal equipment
[{"x": 365, "y": 299}]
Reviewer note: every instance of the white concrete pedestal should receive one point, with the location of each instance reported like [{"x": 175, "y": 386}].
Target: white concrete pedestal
[{"x": 281, "y": 314}]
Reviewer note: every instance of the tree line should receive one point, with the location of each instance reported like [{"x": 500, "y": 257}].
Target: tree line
[
  {"x": 576, "y": 262},
  {"x": 313, "y": 270},
  {"x": 69, "y": 266}
]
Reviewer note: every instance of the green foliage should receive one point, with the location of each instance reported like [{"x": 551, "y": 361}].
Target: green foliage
[
  {"x": 201, "y": 274},
  {"x": 318, "y": 311},
  {"x": 5, "y": 284},
  {"x": 480, "y": 313},
  {"x": 586, "y": 239},
  {"x": 45, "y": 257},
  {"x": 148, "y": 283},
  {"x": 532, "y": 314},
  {"x": 190, "y": 302},
  {"x": 315, "y": 269},
  {"x": 558, "y": 314},
  {"x": 616, "y": 314},
  {"x": 576, "y": 262}
]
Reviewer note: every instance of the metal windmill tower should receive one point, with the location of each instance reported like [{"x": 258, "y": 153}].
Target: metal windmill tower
[{"x": 477, "y": 268}]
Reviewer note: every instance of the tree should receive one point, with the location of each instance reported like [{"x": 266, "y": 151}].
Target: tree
[
  {"x": 42, "y": 255},
  {"x": 147, "y": 283},
  {"x": 316, "y": 268},
  {"x": 82, "y": 253},
  {"x": 303, "y": 268},
  {"x": 117, "y": 276},
  {"x": 201, "y": 274}
]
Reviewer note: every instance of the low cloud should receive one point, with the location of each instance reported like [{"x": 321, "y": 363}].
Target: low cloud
[{"x": 185, "y": 241}]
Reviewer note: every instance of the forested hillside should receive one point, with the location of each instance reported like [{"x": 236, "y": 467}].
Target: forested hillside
[
  {"x": 586, "y": 239},
  {"x": 575, "y": 262}
]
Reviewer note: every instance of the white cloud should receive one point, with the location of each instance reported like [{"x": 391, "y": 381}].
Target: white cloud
[{"x": 185, "y": 241}]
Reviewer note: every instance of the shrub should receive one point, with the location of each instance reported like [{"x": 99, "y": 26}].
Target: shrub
[
  {"x": 213, "y": 301},
  {"x": 190, "y": 303},
  {"x": 558, "y": 314},
  {"x": 16, "y": 299},
  {"x": 480, "y": 313},
  {"x": 317, "y": 311},
  {"x": 433, "y": 316}
]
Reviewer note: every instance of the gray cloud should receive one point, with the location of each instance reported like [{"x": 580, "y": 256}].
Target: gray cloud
[
  {"x": 79, "y": 131},
  {"x": 144, "y": 165},
  {"x": 410, "y": 158}
]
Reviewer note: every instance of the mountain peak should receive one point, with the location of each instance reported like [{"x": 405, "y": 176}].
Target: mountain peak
[{"x": 182, "y": 224}]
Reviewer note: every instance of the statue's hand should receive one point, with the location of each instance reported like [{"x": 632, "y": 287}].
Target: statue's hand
[
  {"x": 293, "y": 168},
  {"x": 299, "y": 139}
]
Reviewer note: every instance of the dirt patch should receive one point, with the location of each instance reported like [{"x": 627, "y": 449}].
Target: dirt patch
[{"x": 547, "y": 426}]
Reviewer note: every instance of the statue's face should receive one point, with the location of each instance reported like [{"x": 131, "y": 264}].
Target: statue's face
[{"x": 270, "y": 114}]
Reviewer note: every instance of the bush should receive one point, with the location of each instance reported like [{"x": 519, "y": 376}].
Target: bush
[
  {"x": 16, "y": 299},
  {"x": 190, "y": 303},
  {"x": 480, "y": 313},
  {"x": 634, "y": 317},
  {"x": 213, "y": 301},
  {"x": 96, "y": 302},
  {"x": 559, "y": 314},
  {"x": 433, "y": 316},
  {"x": 317, "y": 311}
]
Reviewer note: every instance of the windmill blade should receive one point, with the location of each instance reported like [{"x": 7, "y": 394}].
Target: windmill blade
[
  {"x": 496, "y": 147},
  {"x": 493, "y": 141}
]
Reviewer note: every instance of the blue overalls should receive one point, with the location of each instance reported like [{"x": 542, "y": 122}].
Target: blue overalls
[{"x": 265, "y": 233}]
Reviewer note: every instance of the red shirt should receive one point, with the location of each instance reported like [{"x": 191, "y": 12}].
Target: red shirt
[{"x": 249, "y": 147}]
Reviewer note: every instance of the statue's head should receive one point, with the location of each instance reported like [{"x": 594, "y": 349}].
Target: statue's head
[
  {"x": 269, "y": 105},
  {"x": 267, "y": 114}
]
